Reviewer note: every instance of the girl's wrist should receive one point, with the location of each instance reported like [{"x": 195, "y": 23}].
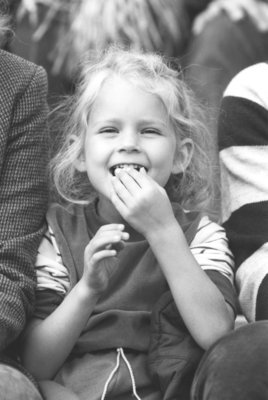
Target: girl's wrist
[
  {"x": 85, "y": 294},
  {"x": 165, "y": 232}
]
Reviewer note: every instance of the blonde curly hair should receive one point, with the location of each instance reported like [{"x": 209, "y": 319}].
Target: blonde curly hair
[{"x": 152, "y": 73}]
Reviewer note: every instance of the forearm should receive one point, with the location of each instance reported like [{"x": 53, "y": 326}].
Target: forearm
[
  {"x": 48, "y": 343},
  {"x": 198, "y": 300}
]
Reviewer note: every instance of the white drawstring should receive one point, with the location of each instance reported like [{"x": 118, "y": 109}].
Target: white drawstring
[
  {"x": 131, "y": 374},
  {"x": 110, "y": 377},
  {"x": 120, "y": 352}
]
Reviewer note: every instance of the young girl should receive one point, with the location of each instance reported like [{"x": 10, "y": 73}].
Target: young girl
[{"x": 134, "y": 136}]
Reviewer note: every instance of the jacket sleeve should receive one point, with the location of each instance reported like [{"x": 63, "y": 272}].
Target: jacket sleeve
[
  {"x": 23, "y": 200},
  {"x": 243, "y": 145}
]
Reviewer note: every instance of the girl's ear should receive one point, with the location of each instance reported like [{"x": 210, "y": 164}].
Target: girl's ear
[
  {"x": 79, "y": 163},
  {"x": 183, "y": 158}
]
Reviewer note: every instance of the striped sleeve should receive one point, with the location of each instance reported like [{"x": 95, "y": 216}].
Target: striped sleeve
[
  {"x": 50, "y": 271},
  {"x": 211, "y": 251},
  {"x": 52, "y": 277},
  {"x": 210, "y": 248},
  {"x": 243, "y": 145}
]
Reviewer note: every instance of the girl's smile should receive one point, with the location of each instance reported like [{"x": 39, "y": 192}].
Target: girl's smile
[{"x": 137, "y": 167}]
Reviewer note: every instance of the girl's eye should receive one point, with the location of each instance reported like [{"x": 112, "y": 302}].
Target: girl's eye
[
  {"x": 151, "y": 131},
  {"x": 108, "y": 130}
]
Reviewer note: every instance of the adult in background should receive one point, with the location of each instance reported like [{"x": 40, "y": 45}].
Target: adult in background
[
  {"x": 227, "y": 36},
  {"x": 243, "y": 135},
  {"x": 236, "y": 368},
  {"x": 23, "y": 203}
]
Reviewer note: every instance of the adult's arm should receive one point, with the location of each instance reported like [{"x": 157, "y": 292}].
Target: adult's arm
[{"x": 23, "y": 187}]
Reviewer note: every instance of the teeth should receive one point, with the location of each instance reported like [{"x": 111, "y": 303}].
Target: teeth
[
  {"x": 126, "y": 167},
  {"x": 136, "y": 166}
]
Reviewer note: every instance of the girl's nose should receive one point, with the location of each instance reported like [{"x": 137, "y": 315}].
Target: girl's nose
[{"x": 129, "y": 141}]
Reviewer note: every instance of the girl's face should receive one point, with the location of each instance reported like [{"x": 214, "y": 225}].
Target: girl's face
[{"x": 128, "y": 127}]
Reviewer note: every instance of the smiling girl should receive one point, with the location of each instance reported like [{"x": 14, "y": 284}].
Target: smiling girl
[{"x": 133, "y": 136}]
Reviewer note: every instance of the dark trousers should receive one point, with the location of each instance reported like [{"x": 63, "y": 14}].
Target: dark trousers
[
  {"x": 14, "y": 385},
  {"x": 236, "y": 367}
]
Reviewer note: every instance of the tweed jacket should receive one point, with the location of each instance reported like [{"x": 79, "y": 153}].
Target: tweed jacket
[{"x": 23, "y": 187}]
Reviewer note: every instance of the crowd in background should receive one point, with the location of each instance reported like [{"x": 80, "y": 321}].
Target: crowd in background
[{"x": 209, "y": 42}]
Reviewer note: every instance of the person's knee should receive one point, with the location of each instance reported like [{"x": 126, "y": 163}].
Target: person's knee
[
  {"x": 14, "y": 385},
  {"x": 236, "y": 367}
]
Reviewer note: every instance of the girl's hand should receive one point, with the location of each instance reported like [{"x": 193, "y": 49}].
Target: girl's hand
[
  {"x": 100, "y": 261},
  {"x": 141, "y": 201}
]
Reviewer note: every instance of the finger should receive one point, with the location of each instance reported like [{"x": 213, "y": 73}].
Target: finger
[
  {"x": 128, "y": 180},
  {"x": 121, "y": 191},
  {"x": 111, "y": 227},
  {"x": 140, "y": 177},
  {"x": 116, "y": 246},
  {"x": 107, "y": 231},
  {"x": 101, "y": 255},
  {"x": 143, "y": 171},
  {"x": 102, "y": 241},
  {"x": 106, "y": 235}
]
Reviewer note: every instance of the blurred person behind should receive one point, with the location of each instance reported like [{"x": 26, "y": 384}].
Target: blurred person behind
[
  {"x": 56, "y": 33},
  {"x": 227, "y": 36}
]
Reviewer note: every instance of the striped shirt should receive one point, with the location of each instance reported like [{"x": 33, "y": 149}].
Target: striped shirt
[
  {"x": 209, "y": 247},
  {"x": 243, "y": 144}
]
